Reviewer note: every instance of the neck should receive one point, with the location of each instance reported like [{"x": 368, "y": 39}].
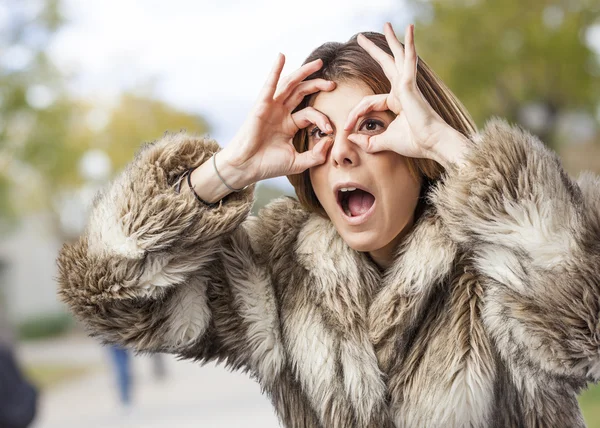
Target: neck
[{"x": 384, "y": 256}]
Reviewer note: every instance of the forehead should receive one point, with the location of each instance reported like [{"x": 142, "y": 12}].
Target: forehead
[{"x": 342, "y": 99}]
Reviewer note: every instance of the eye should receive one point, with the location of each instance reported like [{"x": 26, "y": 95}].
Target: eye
[
  {"x": 317, "y": 133},
  {"x": 370, "y": 125}
]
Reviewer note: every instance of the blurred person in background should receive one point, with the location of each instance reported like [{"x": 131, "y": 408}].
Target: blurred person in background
[
  {"x": 159, "y": 366},
  {"x": 121, "y": 360},
  {"x": 428, "y": 276},
  {"x": 18, "y": 397}
]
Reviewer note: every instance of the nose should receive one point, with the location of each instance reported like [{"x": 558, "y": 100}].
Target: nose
[{"x": 344, "y": 152}]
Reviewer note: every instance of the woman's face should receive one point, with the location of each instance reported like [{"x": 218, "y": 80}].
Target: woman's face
[{"x": 383, "y": 204}]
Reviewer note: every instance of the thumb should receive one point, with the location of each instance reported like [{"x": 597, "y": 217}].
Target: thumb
[
  {"x": 311, "y": 158},
  {"x": 369, "y": 143}
]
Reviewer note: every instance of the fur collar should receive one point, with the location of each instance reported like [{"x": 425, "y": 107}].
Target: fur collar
[
  {"x": 356, "y": 308},
  {"x": 322, "y": 251}
]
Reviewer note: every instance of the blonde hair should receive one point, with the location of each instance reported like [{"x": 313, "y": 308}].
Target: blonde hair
[{"x": 350, "y": 62}]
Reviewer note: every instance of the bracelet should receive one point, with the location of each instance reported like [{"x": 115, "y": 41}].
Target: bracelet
[
  {"x": 198, "y": 198},
  {"x": 219, "y": 175},
  {"x": 187, "y": 176}
]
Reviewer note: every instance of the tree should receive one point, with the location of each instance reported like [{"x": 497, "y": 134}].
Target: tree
[
  {"x": 45, "y": 132},
  {"x": 33, "y": 107},
  {"x": 512, "y": 58},
  {"x": 116, "y": 133},
  {"x": 265, "y": 193},
  {"x": 138, "y": 119}
]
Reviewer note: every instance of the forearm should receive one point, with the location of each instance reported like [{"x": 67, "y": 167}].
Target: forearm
[
  {"x": 209, "y": 186},
  {"x": 451, "y": 151},
  {"x": 510, "y": 190},
  {"x": 532, "y": 235},
  {"x": 144, "y": 243}
]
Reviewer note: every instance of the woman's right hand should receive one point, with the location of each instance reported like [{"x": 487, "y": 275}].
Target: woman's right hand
[{"x": 263, "y": 146}]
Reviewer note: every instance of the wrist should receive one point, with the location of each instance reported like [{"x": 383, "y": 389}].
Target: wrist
[
  {"x": 236, "y": 174},
  {"x": 207, "y": 184},
  {"x": 451, "y": 150}
]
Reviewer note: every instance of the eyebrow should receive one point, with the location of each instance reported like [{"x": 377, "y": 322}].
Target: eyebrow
[{"x": 388, "y": 113}]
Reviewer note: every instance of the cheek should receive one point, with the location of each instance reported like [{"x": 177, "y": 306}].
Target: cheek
[{"x": 402, "y": 189}]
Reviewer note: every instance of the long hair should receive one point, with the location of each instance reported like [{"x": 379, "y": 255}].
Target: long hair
[{"x": 345, "y": 62}]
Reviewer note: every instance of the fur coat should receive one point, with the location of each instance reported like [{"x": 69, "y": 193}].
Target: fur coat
[{"x": 488, "y": 317}]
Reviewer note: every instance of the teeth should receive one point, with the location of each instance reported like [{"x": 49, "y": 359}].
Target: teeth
[
  {"x": 346, "y": 209},
  {"x": 344, "y": 202}
]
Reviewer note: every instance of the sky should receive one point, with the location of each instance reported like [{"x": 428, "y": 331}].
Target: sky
[{"x": 207, "y": 57}]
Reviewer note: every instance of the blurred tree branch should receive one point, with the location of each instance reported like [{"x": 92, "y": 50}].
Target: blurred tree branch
[
  {"x": 45, "y": 131},
  {"x": 499, "y": 57}
]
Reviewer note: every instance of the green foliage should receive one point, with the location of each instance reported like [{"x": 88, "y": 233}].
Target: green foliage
[
  {"x": 44, "y": 132},
  {"x": 7, "y": 213},
  {"x": 33, "y": 116},
  {"x": 47, "y": 376},
  {"x": 265, "y": 193},
  {"x": 499, "y": 55},
  {"x": 44, "y": 326},
  {"x": 139, "y": 119},
  {"x": 589, "y": 405}
]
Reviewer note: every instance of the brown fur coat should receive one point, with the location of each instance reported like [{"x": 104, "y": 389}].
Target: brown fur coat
[{"x": 489, "y": 316}]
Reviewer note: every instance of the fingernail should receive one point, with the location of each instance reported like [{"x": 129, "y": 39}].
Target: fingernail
[{"x": 328, "y": 128}]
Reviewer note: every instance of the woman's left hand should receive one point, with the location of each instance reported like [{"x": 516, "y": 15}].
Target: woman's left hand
[{"x": 417, "y": 131}]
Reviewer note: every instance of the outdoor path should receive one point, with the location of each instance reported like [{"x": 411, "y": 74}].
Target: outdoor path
[{"x": 190, "y": 396}]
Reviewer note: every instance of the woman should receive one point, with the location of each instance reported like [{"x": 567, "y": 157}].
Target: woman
[{"x": 428, "y": 276}]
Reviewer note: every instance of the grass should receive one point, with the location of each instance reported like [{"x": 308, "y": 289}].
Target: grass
[
  {"x": 590, "y": 405},
  {"x": 44, "y": 326},
  {"x": 46, "y": 376}
]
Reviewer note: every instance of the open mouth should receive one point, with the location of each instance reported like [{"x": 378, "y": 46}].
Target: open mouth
[{"x": 355, "y": 203}]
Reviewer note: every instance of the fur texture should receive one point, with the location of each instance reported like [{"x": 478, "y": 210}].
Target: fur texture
[{"x": 488, "y": 317}]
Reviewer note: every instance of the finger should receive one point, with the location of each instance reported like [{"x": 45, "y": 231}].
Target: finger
[
  {"x": 368, "y": 143},
  {"x": 311, "y": 158},
  {"x": 270, "y": 85},
  {"x": 367, "y": 104},
  {"x": 395, "y": 45},
  {"x": 383, "y": 59},
  {"x": 310, "y": 115},
  {"x": 291, "y": 81},
  {"x": 306, "y": 88},
  {"x": 409, "y": 74}
]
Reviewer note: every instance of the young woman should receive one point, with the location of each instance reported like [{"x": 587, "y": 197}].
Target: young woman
[{"x": 428, "y": 276}]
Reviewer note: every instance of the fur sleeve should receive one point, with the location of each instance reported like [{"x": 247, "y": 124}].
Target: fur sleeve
[
  {"x": 534, "y": 234},
  {"x": 245, "y": 313},
  {"x": 140, "y": 274}
]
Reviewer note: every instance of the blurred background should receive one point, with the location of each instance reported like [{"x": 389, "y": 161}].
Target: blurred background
[{"x": 84, "y": 83}]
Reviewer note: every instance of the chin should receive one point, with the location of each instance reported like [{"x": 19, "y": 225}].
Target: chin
[{"x": 363, "y": 241}]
